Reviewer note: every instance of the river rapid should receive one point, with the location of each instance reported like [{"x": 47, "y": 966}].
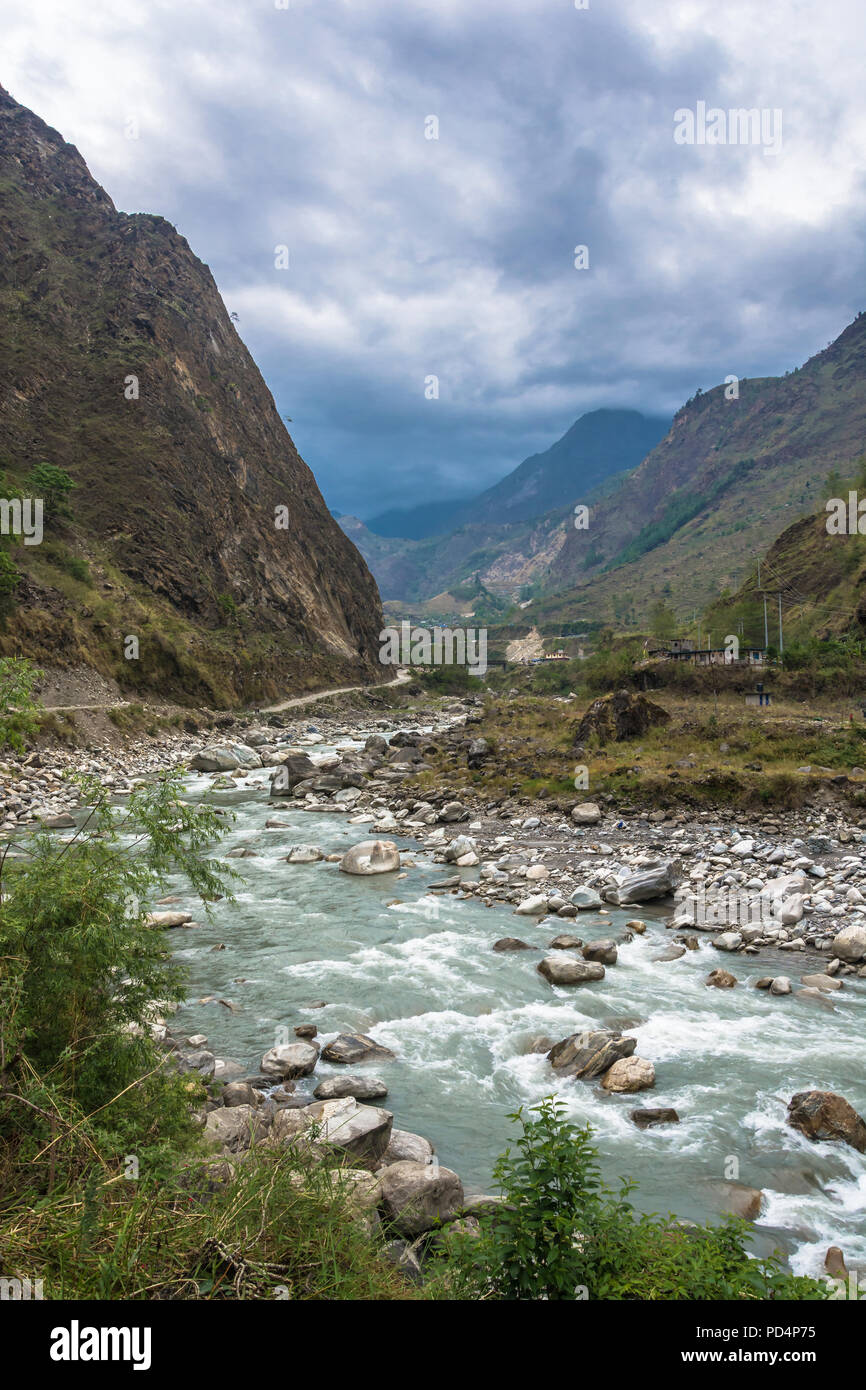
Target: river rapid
[{"x": 417, "y": 972}]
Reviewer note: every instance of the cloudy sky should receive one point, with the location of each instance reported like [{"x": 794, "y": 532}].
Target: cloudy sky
[{"x": 411, "y": 257}]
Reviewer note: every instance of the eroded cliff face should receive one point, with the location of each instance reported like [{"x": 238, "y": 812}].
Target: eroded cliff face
[{"x": 197, "y": 517}]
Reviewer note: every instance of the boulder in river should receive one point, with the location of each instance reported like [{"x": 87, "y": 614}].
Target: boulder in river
[
  {"x": 360, "y": 1130},
  {"x": 564, "y": 970},
  {"x": 304, "y": 854},
  {"x": 360, "y": 1087},
  {"x": 290, "y": 1059},
  {"x": 371, "y": 857},
  {"x": 629, "y": 1074},
  {"x": 588, "y": 1054},
  {"x": 295, "y": 768},
  {"x": 728, "y": 941},
  {"x": 721, "y": 979},
  {"x": 586, "y": 900},
  {"x": 824, "y": 1115},
  {"x": 355, "y": 1047},
  {"x": 651, "y": 1116},
  {"x": 167, "y": 919},
  {"x": 406, "y": 1147},
  {"x": 603, "y": 951},
  {"x": 739, "y": 1199},
  {"x": 416, "y": 1197},
  {"x": 586, "y": 813},
  {"x": 511, "y": 943},
  {"x": 672, "y": 952},
  {"x": 534, "y": 906}
]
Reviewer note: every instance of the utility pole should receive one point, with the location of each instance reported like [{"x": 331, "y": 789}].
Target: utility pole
[
  {"x": 766, "y": 629},
  {"x": 781, "y": 641}
]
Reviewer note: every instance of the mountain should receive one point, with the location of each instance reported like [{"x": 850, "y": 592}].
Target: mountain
[
  {"x": 820, "y": 574},
  {"x": 505, "y": 559},
  {"x": 415, "y": 523},
  {"x": 120, "y": 365},
  {"x": 595, "y": 448},
  {"x": 510, "y": 534},
  {"x": 728, "y": 478},
  {"x": 599, "y": 445}
]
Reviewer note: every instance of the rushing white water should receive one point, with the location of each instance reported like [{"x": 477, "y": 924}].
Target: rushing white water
[{"x": 420, "y": 976}]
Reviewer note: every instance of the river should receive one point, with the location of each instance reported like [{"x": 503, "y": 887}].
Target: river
[{"x": 420, "y": 975}]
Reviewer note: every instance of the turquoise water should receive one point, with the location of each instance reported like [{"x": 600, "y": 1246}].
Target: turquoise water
[{"x": 420, "y": 976}]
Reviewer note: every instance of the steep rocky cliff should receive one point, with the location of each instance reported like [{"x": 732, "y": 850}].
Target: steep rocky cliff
[{"x": 195, "y": 525}]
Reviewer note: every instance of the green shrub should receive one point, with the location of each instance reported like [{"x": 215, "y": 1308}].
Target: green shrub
[
  {"x": 53, "y": 485},
  {"x": 561, "y": 1233},
  {"x": 80, "y": 968},
  {"x": 19, "y": 710}
]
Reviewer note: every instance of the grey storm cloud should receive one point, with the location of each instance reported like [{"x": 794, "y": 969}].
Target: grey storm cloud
[{"x": 260, "y": 126}]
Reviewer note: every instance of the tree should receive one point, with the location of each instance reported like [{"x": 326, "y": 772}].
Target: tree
[
  {"x": 81, "y": 967},
  {"x": 19, "y": 710},
  {"x": 53, "y": 485},
  {"x": 663, "y": 620}
]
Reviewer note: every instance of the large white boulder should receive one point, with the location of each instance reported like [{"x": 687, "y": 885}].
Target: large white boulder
[
  {"x": 850, "y": 945},
  {"x": 225, "y": 757},
  {"x": 371, "y": 857},
  {"x": 416, "y": 1197},
  {"x": 290, "y": 1060}
]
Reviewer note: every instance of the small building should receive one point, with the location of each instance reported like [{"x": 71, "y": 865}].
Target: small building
[
  {"x": 759, "y": 696},
  {"x": 709, "y": 656}
]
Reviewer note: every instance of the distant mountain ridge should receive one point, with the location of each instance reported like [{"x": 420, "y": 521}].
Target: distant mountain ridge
[
  {"x": 597, "y": 446},
  {"x": 510, "y": 534}
]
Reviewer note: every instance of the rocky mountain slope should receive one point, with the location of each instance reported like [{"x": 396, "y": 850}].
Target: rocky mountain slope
[
  {"x": 728, "y": 478},
  {"x": 120, "y": 364}
]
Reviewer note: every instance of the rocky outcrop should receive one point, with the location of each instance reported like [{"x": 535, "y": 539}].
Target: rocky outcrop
[{"x": 620, "y": 716}]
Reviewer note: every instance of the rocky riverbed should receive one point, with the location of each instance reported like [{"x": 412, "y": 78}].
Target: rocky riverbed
[{"x": 779, "y": 903}]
